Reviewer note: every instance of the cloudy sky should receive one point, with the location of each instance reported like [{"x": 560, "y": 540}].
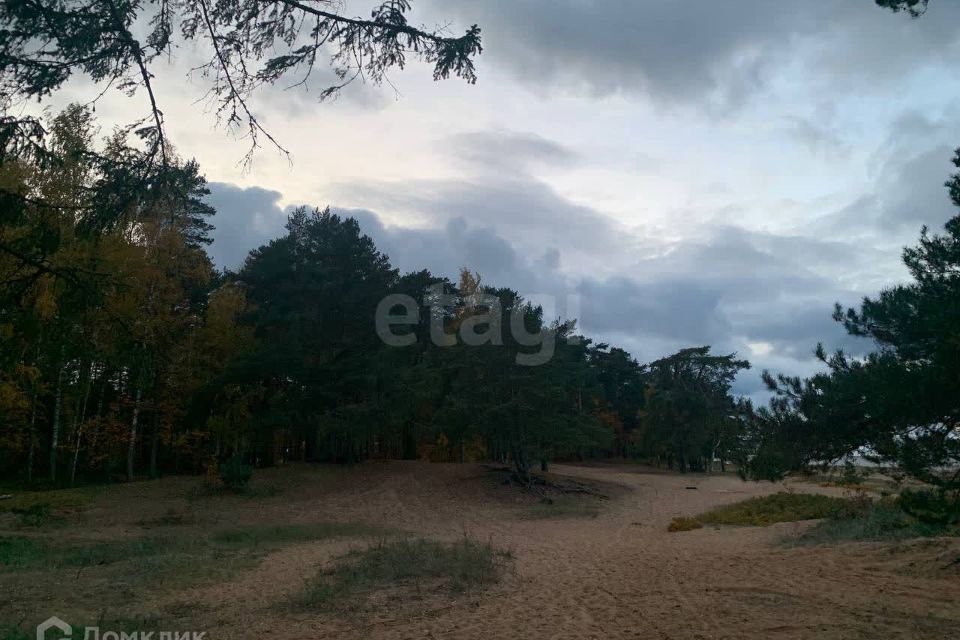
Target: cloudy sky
[{"x": 672, "y": 173}]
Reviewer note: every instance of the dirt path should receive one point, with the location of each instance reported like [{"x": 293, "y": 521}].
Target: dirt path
[{"x": 620, "y": 575}]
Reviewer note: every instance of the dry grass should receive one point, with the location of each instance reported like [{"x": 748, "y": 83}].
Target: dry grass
[
  {"x": 684, "y": 524},
  {"x": 410, "y": 565}
]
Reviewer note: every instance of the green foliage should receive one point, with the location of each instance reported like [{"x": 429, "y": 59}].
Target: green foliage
[
  {"x": 931, "y": 507},
  {"x": 464, "y": 565},
  {"x": 899, "y": 405},
  {"x": 915, "y": 8},
  {"x": 779, "y": 507},
  {"x": 250, "y": 43},
  {"x": 235, "y": 473},
  {"x": 851, "y": 475},
  {"x": 880, "y": 520},
  {"x": 690, "y": 416}
]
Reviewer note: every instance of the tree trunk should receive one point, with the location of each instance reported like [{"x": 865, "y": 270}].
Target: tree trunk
[
  {"x": 544, "y": 465},
  {"x": 132, "y": 446},
  {"x": 55, "y": 436},
  {"x": 78, "y": 418},
  {"x": 522, "y": 465},
  {"x": 32, "y": 437},
  {"x": 154, "y": 446}
]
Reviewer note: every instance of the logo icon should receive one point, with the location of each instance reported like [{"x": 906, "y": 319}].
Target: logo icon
[{"x": 57, "y": 623}]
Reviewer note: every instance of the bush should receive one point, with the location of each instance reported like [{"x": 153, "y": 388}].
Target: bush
[
  {"x": 883, "y": 520},
  {"x": 931, "y": 507},
  {"x": 684, "y": 524},
  {"x": 235, "y": 474},
  {"x": 779, "y": 507}
]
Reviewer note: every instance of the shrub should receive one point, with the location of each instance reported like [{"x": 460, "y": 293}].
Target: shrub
[
  {"x": 684, "y": 524},
  {"x": 932, "y": 507},
  {"x": 779, "y": 507},
  {"x": 235, "y": 474},
  {"x": 883, "y": 520}
]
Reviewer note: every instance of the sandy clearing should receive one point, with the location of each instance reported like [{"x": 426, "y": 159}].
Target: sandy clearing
[{"x": 619, "y": 575}]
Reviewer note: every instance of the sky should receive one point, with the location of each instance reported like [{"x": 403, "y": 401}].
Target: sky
[{"x": 670, "y": 173}]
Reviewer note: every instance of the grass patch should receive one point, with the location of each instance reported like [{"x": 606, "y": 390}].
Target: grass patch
[
  {"x": 779, "y": 507},
  {"x": 767, "y": 510},
  {"x": 420, "y": 564},
  {"x": 54, "y": 500},
  {"x": 37, "y": 516},
  {"x": 170, "y": 560},
  {"x": 206, "y": 490},
  {"x": 9, "y": 632},
  {"x": 171, "y": 518},
  {"x": 278, "y": 536},
  {"x": 684, "y": 524},
  {"x": 564, "y": 507},
  {"x": 877, "y": 521},
  {"x": 18, "y": 552}
]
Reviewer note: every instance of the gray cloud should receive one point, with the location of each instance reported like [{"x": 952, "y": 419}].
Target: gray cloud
[
  {"x": 246, "y": 219},
  {"x": 714, "y": 53},
  {"x": 507, "y": 149},
  {"x": 909, "y": 169}
]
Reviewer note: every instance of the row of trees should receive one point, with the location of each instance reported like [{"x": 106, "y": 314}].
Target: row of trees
[{"x": 123, "y": 352}]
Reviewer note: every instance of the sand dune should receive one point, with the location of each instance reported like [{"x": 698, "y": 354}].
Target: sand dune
[{"x": 619, "y": 575}]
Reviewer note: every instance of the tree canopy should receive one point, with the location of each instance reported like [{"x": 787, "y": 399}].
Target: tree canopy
[{"x": 899, "y": 405}]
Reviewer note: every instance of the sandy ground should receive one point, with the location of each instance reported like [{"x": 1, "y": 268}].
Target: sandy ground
[{"x": 617, "y": 575}]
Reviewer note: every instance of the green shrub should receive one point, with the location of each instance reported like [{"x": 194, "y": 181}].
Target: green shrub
[
  {"x": 779, "y": 507},
  {"x": 882, "y": 520},
  {"x": 454, "y": 567},
  {"x": 932, "y": 507},
  {"x": 235, "y": 474}
]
